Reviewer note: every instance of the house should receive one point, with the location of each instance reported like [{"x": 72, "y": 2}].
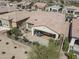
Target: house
[
  {"x": 6, "y": 7},
  {"x": 39, "y": 6},
  {"x": 14, "y": 19},
  {"x": 54, "y": 8},
  {"x": 69, "y": 9},
  {"x": 74, "y": 43},
  {"x": 46, "y": 23}
]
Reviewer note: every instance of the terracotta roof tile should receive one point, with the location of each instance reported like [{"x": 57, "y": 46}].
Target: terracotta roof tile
[
  {"x": 75, "y": 28},
  {"x": 54, "y": 21}
]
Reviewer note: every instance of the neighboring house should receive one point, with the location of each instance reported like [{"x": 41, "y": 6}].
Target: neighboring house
[
  {"x": 76, "y": 13},
  {"x": 74, "y": 43},
  {"x": 46, "y": 23},
  {"x": 69, "y": 9},
  {"x": 6, "y": 7},
  {"x": 74, "y": 1},
  {"x": 27, "y": 5},
  {"x": 54, "y": 8},
  {"x": 14, "y": 19},
  {"x": 39, "y": 6}
]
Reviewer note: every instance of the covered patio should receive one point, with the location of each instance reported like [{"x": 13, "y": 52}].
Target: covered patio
[{"x": 44, "y": 31}]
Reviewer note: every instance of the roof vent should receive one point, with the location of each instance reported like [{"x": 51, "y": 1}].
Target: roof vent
[{"x": 35, "y": 19}]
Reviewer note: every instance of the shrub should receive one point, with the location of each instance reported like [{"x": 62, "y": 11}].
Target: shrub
[
  {"x": 36, "y": 43},
  {"x": 71, "y": 55},
  {"x": 14, "y": 31},
  {"x": 65, "y": 45}
]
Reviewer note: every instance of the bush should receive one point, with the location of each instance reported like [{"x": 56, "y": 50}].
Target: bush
[
  {"x": 71, "y": 55},
  {"x": 14, "y": 31},
  {"x": 65, "y": 45},
  {"x": 36, "y": 43}
]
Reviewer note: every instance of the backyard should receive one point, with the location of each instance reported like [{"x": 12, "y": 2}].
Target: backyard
[{"x": 42, "y": 52}]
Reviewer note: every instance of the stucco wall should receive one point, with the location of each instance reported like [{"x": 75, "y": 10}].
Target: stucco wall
[{"x": 5, "y": 23}]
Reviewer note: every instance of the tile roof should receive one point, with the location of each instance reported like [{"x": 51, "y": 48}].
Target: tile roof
[
  {"x": 54, "y": 21},
  {"x": 4, "y": 9},
  {"x": 75, "y": 28}
]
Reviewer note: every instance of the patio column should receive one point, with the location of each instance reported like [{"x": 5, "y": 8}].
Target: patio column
[
  {"x": 56, "y": 36},
  {"x": 32, "y": 31}
]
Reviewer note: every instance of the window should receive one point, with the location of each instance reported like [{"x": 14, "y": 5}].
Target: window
[
  {"x": 70, "y": 11},
  {"x": 54, "y": 10},
  {"x": 23, "y": 7},
  {"x": 77, "y": 42},
  {"x": 19, "y": 5},
  {"x": 77, "y": 13},
  {"x": 50, "y": 9},
  {"x": 30, "y": 25},
  {"x": 0, "y": 23}
]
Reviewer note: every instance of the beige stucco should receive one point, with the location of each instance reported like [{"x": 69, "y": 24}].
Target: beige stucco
[{"x": 14, "y": 24}]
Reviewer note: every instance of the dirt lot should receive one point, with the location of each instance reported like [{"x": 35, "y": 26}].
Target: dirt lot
[{"x": 11, "y": 49}]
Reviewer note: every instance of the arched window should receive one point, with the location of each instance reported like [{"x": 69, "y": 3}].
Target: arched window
[{"x": 0, "y": 23}]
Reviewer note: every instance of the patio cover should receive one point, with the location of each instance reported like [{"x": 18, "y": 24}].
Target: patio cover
[{"x": 45, "y": 29}]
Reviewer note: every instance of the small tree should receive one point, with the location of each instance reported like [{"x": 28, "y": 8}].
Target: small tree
[
  {"x": 71, "y": 55},
  {"x": 14, "y": 32},
  {"x": 65, "y": 45}
]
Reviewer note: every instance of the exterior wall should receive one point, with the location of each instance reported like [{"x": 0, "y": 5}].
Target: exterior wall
[
  {"x": 5, "y": 23},
  {"x": 51, "y": 9}
]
